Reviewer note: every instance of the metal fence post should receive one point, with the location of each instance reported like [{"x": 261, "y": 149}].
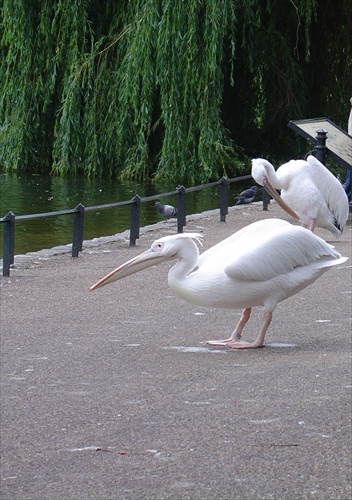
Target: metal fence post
[
  {"x": 9, "y": 244},
  {"x": 181, "y": 208},
  {"x": 266, "y": 199},
  {"x": 135, "y": 219},
  {"x": 78, "y": 223},
  {"x": 320, "y": 146},
  {"x": 223, "y": 199}
]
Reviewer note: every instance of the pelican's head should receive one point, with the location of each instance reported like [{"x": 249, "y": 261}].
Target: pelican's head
[
  {"x": 264, "y": 174},
  {"x": 163, "y": 249},
  {"x": 261, "y": 169}
]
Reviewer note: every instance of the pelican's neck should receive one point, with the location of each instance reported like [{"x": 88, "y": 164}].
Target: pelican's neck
[
  {"x": 187, "y": 260},
  {"x": 272, "y": 176}
]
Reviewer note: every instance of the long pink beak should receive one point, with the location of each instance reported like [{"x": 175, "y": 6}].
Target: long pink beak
[
  {"x": 274, "y": 194},
  {"x": 146, "y": 259}
]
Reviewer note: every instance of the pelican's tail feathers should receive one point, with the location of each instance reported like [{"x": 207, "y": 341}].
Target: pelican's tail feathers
[{"x": 333, "y": 192}]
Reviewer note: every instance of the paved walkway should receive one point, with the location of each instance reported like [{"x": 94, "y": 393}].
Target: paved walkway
[{"x": 114, "y": 395}]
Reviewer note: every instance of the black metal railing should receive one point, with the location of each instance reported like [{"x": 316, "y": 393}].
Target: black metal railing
[{"x": 135, "y": 203}]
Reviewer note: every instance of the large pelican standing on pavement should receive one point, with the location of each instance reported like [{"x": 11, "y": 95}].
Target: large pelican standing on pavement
[
  {"x": 309, "y": 189},
  {"x": 260, "y": 265}
]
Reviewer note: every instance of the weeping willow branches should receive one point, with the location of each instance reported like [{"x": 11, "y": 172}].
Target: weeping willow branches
[{"x": 143, "y": 89}]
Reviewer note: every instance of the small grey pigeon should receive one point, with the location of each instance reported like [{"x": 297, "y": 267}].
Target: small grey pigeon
[
  {"x": 166, "y": 211},
  {"x": 247, "y": 196}
]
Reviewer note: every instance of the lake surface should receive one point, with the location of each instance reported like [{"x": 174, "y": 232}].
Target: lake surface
[{"x": 32, "y": 194}]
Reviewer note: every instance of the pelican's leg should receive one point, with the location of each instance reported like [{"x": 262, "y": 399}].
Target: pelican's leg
[
  {"x": 312, "y": 225},
  {"x": 241, "y": 344},
  {"x": 237, "y": 333}
]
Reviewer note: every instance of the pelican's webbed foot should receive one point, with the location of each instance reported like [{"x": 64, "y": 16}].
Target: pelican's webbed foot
[
  {"x": 235, "y": 343},
  {"x": 242, "y": 344},
  {"x": 220, "y": 342}
]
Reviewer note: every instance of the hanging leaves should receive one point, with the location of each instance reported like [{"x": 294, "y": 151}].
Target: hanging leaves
[{"x": 160, "y": 89}]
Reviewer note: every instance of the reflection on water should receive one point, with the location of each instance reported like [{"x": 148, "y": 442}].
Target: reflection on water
[{"x": 30, "y": 194}]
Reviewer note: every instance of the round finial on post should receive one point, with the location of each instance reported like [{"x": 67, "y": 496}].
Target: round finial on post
[{"x": 320, "y": 145}]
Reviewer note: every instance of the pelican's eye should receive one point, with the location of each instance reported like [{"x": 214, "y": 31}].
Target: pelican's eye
[{"x": 156, "y": 247}]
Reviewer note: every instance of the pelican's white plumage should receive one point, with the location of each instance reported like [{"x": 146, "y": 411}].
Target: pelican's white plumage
[
  {"x": 260, "y": 265},
  {"x": 309, "y": 189}
]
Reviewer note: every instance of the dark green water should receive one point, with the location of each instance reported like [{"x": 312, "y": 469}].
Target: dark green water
[{"x": 31, "y": 194}]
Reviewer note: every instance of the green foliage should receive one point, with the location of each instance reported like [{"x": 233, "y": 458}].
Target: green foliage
[{"x": 174, "y": 90}]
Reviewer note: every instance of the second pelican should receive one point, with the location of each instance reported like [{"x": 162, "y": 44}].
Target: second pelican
[{"x": 309, "y": 192}]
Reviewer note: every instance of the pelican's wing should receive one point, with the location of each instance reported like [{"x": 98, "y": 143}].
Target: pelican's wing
[
  {"x": 332, "y": 190},
  {"x": 236, "y": 243},
  {"x": 273, "y": 251},
  {"x": 243, "y": 246}
]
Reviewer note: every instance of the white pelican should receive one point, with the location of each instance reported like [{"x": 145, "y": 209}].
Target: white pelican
[
  {"x": 309, "y": 189},
  {"x": 260, "y": 265}
]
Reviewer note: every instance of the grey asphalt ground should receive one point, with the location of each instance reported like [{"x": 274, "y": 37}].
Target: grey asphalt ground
[{"x": 114, "y": 395}]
